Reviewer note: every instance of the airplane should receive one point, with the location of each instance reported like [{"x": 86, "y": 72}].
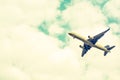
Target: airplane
[{"x": 91, "y": 42}]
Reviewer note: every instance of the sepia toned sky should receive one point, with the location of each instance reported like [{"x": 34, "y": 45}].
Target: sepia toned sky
[{"x": 35, "y": 45}]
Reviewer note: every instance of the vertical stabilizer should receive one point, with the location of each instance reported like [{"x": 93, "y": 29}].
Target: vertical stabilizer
[{"x": 108, "y": 48}]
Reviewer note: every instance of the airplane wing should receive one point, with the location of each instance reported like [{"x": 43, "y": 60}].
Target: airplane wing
[
  {"x": 85, "y": 49},
  {"x": 98, "y": 36}
]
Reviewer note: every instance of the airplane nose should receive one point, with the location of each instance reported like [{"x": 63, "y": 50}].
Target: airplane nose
[{"x": 69, "y": 33}]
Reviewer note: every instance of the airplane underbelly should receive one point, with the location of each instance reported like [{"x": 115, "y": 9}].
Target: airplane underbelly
[
  {"x": 89, "y": 43},
  {"x": 101, "y": 48}
]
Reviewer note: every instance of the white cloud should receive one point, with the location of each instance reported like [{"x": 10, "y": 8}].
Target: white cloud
[
  {"x": 112, "y": 8},
  {"x": 28, "y": 54},
  {"x": 115, "y": 27},
  {"x": 30, "y": 12},
  {"x": 83, "y": 14},
  {"x": 10, "y": 14},
  {"x": 56, "y": 29},
  {"x": 37, "y": 55},
  {"x": 12, "y": 73}
]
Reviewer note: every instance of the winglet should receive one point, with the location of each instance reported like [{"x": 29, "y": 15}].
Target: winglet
[{"x": 106, "y": 30}]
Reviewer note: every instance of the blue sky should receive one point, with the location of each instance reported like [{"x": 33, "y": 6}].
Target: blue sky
[{"x": 35, "y": 44}]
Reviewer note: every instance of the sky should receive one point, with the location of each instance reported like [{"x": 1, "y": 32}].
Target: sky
[{"x": 35, "y": 45}]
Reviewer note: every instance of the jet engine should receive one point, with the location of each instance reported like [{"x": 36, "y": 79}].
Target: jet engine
[
  {"x": 90, "y": 37},
  {"x": 81, "y": 46},
  {"x": 73, "y": 37}
]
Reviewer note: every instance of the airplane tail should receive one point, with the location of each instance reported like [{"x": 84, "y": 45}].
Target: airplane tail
[{"x": 108, "y": 48}]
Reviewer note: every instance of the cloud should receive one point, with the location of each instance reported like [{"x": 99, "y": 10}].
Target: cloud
[
  {"x": 27, "y": 12},
  {"x": 115, "y": 27},
  {"x": 13, "y": 73},
  {"x": 112, "y": 8},
  {"x": 32, "y": 53},
  {"x": 111, "y": 11},
  {"x": 28, "y": 53},
  {"x": 82, "y": 13},
  {"x": 99, "y": 3},
  {"x": 64, "y": 4}
]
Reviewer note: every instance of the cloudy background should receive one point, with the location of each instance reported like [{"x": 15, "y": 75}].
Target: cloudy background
[{"x": 34, "y": 44}]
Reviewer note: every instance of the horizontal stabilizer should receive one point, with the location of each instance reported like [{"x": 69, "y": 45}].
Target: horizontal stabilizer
[{"x": 108, "y": 48}]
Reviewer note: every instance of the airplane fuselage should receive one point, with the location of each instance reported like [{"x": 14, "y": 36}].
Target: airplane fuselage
[
  {"x": 87, "y": 42},
  {"x": 91, "y": 42}
]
